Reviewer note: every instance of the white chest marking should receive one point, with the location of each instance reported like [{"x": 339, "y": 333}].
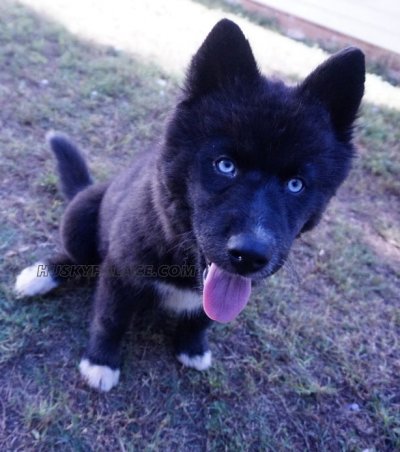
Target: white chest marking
[{"x": 178, "y": 300}]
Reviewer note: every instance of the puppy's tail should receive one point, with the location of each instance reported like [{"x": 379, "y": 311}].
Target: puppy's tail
[{"x": 72, "y": 167}]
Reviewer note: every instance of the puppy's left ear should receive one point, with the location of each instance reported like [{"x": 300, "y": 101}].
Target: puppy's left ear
[
  {"x": 339, "y": 85},
  {"x": 224, "y": 56}
]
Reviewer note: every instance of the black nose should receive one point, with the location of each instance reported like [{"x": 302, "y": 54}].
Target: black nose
[{"x": 248, "y": 253}]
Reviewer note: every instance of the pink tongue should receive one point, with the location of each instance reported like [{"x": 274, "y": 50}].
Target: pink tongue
[{"x": 225, "y": 295}]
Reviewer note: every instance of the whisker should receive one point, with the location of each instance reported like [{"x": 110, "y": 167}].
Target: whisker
[{"x": 288, "y": 265}]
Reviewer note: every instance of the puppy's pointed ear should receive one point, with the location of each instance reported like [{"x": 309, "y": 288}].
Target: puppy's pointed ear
[
  {"x": 339, "y": 85},
  {"x": 224, "y": 56}
]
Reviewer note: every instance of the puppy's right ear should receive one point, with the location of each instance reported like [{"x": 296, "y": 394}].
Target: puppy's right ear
[
  {"x": 338, "y": 84},
  {"x": 224, "y": 57}
]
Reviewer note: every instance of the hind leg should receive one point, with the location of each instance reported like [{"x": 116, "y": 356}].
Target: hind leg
[
  {"x": 79, "y": 236},
  {"x": 79, "y": 226}
]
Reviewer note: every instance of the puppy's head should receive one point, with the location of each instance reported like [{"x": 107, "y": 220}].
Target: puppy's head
[{"x": 258, "y": 161}]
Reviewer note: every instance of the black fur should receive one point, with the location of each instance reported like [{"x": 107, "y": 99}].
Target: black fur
[{"x": 173, "y": 207}]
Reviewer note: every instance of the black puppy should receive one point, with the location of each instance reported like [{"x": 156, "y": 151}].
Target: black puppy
[{"x": 245, "y": 166}]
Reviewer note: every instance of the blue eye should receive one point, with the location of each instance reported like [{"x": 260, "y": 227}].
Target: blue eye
[
  {"x": 295, "y": 185},
  {"x": 226, "y": 167}
]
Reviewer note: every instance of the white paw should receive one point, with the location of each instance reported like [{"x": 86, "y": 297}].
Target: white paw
[
  {"x": 198, "y": 362},
  {"x": 99, "y": 377},
  {"x": 34, "y": 280}
]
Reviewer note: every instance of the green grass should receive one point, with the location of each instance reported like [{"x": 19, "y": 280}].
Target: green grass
[
  {"x": 381, "y": 137},
  {"x": 312, "y": 364}
]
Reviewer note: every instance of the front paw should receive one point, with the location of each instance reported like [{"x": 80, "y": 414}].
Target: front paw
[
  {"x": 198, "y": 362},
  {"x": 99, "y": 377}
]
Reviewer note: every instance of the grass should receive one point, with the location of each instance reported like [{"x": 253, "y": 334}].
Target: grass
[
  {"x": 312, "y": 364},
  {"x": 268, "y": 22}
]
